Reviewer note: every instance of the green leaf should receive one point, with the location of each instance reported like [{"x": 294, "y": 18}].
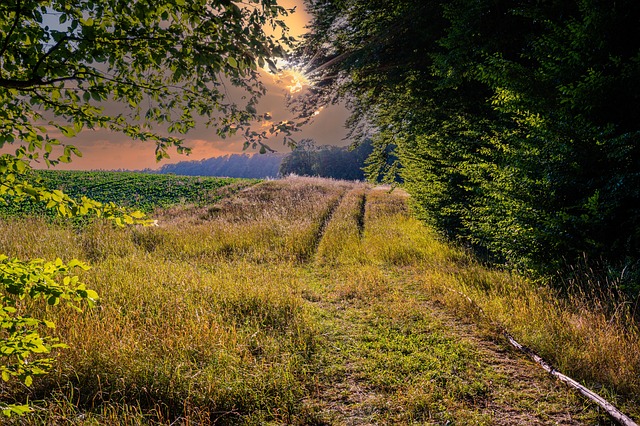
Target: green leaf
[
  {"x": 83, "y": 46},
  {"x": 92, "y": 295},
  {"x": 21, "y": 409}
]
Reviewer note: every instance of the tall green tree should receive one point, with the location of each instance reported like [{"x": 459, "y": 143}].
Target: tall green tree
[
  {"x": 515, "y": 123},
  {"x": 308, "y": 159},
  {"x": 130, "y": 66}
]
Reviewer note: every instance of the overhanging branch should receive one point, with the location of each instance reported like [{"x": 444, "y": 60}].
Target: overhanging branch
[{"x": 5, "y": 45}]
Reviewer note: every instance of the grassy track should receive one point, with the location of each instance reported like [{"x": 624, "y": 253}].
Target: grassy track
[{"x": 306, "y": 301}]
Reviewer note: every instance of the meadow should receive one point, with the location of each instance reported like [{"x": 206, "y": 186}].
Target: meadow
[{"x": 309, "y": 301}]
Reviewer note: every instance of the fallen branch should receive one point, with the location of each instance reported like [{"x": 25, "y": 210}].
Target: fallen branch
[{"x": 615, "y": 414}]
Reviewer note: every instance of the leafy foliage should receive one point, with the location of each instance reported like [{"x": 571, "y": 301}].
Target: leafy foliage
[
  {"x": 141, "y": 191},
  {"x": 135, "y": 67},
  {"x": 19, "y": 187},
  {"x": 515, "y": 125},
  {"x": 22, "y": 346},
  {"x": 161, "y": 63}
]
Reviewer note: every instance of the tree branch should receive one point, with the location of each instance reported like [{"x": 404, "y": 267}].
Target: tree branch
[
  {"x": 13, "y": 27},
  {"x": 33, "y": 82},
  {"x": 64, "y": 39}
]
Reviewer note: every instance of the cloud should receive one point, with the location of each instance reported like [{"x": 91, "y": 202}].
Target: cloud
[{"x": 103, "y": 149}]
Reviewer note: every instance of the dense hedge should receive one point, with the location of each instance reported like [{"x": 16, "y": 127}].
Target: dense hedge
[{"x": 516, "y": 124}]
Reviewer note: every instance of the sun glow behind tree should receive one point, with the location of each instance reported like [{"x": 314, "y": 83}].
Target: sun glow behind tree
[{"x": 294, "y": 80}]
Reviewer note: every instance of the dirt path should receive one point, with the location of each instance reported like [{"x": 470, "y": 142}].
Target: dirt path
[
  {"x": 389, "y": 355},
  {"x": 395, "y": 358}
]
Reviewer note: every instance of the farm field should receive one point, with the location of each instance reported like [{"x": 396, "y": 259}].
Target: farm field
[
  {"x": 311, "y": 302},
  {"x": 141, "y": 191}
]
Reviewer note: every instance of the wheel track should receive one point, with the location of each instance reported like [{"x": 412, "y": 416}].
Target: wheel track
[{"x": 324, "y": 221}]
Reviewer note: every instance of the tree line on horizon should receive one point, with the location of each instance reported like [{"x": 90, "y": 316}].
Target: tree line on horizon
[
  {"x": 247, "y": 166},
  {"x": 306, "y": 159}
]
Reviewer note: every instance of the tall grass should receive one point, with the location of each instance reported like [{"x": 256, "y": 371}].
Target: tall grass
[
  {"x": 578, "y": 332},
  {"x": 393, "y": 236},
  {"x": 275, "y": 221},
  {"x": 584, "y": 334},
  {"x": 341, "y": 240},
  {"x": 200, "y": 319},
  {"x": 207, "y": 318}
]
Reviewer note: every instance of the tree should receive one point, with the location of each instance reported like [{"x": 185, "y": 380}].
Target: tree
[
  {"x": 125, "y": 65},
  {"x": 301, "y": 160},
  {"x": 334, "y": 162},
  {"x": 515, "y": 124}
]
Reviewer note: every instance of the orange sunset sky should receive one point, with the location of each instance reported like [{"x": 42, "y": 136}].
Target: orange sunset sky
[{"x": 107, "y": 150}]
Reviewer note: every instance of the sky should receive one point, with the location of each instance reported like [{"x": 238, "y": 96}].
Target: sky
[{"x": 105, "y": 150}]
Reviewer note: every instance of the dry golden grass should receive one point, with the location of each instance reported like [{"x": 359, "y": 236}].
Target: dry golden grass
[
  {"x": 198, "y": 317},
  {"x": 597, "y": 346},
  {"x": 235, "y": 314},
  {"x": 278, "y": 221},
  {"x": 341, "y": 239}
]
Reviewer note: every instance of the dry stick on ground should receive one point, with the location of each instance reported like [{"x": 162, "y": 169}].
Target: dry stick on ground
[{"x": 616, "y": 414}]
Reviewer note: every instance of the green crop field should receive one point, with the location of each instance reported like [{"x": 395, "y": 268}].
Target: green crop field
[
  {"x": 306, "y": 302},
  {"x": 140, "y": 191}
]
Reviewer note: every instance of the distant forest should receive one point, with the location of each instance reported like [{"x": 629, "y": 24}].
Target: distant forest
[
  {"x": 307, "y": 159},
  {"x": 234, "y": 165}
]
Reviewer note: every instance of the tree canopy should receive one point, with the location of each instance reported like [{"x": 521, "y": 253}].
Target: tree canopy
[
  {"x": 516, "y": 124},
  {"x": 308, "y": 159},
  {"x": 161, "y": 62}
]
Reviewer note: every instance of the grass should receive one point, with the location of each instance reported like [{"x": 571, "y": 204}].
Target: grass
[
  {"x": 309, "y": 301},
  {"x": 579, "y": 337}
]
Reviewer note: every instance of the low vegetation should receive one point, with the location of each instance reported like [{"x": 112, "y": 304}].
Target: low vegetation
[
  {"x": 140, "y": 191},
  {"x": 308, "y": 301}
]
